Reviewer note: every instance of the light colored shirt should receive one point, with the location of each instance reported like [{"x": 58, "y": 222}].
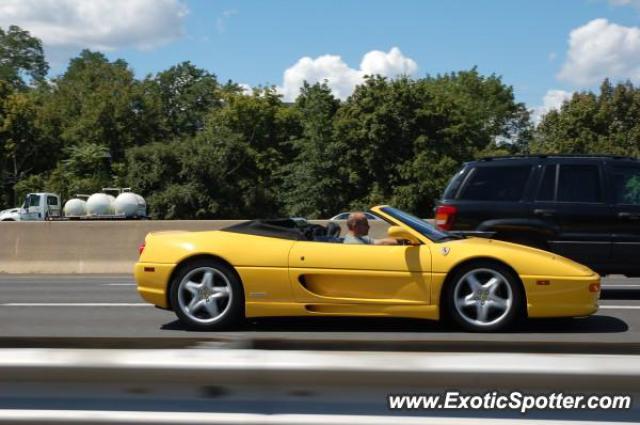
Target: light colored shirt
[{"x": 365, "y": 240}]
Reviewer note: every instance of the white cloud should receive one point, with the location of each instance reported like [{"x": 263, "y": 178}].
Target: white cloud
[
  {"x": 553, "y": 99},
  {"x": 97, "y": 24},
  {"x": 390, "y": 64},
  {"x": 602, "y": 49},
  {"x": 246, "y": 89},
  {"x": 341, "y": 78}
]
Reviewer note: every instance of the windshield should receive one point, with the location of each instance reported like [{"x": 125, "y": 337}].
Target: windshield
[{"x": 418, "y": 224}]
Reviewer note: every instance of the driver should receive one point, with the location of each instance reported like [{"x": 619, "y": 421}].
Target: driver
[{"x": 358, "y": 226}]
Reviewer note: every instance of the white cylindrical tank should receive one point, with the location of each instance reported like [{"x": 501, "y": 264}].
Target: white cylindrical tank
[
  {"x": 130, "y": 204},
  {"x": 100, "y": 204},
  {"x": 142, "y": 206},
  {"x": 75, "y": 208}
]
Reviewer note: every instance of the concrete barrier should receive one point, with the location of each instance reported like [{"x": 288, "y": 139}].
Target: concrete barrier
[{"x": 92, "y": 247}]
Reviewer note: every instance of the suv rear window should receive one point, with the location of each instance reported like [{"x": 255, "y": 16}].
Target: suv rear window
[
  {"x": 626, "y": 185},
  {"x": 579, "y": 183},
  {"x": 502, "y": 183},
  {"x": 454, "y": 185}
]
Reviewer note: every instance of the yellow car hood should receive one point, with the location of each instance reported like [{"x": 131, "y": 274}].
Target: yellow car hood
[{"x": 525, "y": 260}]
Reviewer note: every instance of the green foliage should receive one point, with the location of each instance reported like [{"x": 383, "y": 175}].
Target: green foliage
[
  {"x": 32, "y": 183},
  {"x": 180, "y": 99},
  {"x": 21, "y": 56},
  {"x": 312, "y": 181},
  {"x": 88, "y": 159},
  {"x": 228, "y": 169},
  {"x": 403, "y": 139},
  {"x": 208, "y": 176},
  {"x": 21, "y": 140},
  {"x": 605, "y": 123},
  {"x": 97, "y": 101},
  {"x": 632, "y": 191},
  {"x": 265, "y": 127},
  {"x": 85, "y": 170}
]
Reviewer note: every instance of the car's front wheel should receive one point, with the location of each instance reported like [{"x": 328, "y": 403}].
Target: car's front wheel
[
  {"x": 484, "y": 297},
  {"x": 207, "y": 295}
]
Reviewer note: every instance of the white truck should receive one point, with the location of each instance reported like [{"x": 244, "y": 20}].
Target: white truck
[
  {"x": 99, "y": 206},
  {"x": 36, "y": 207}
]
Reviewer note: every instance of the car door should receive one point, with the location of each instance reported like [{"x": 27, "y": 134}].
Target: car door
[
  {"x": 571, "y": 199},
  {"x": 322, "y": 272},
  {"x": 624, "y": 180},
  {"x": 31, "y": 210},
  {"x": 53, "y": 206}
]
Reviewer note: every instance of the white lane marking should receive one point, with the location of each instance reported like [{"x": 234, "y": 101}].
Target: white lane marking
[
  {"x": 60, "y": 278},
  {"x": 129, "y": 284},
  {"x": 619, "y": 307},
  {"x": 75, "y": 305},
  {"x": 619, "y": 286}
]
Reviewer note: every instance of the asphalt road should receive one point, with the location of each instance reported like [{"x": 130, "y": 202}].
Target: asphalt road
[{"x": 36, "y": 310}]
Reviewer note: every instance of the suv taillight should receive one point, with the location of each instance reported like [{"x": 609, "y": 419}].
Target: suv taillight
[
  {"x": 445, "y": 215},
  {"x": 141, "y": 248}
]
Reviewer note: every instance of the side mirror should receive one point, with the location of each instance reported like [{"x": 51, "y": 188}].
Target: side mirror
[{"x": 397, "y": 232}]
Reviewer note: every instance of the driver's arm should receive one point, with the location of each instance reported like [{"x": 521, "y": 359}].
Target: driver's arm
[{"x": 386, "y": 241}]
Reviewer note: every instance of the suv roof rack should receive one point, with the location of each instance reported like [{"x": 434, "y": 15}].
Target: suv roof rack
[{"x": 491, "y": 158}]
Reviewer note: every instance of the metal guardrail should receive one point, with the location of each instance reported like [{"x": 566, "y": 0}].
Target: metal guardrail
[
  {"x": 272, "y": 386},
  {"x": 621, "y": 372}
]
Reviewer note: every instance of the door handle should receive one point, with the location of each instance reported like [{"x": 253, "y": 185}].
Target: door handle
[
  {"x": 629, "y": 215},
  {"x": 543, "y": 212}
]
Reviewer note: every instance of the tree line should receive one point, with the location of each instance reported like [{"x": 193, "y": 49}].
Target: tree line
[{"x": 196, "y": 147}]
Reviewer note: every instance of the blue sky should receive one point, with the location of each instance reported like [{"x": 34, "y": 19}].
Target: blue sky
[{"x": 255, "y": 42}]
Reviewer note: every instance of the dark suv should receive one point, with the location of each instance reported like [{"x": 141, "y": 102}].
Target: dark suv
[{"x": 586, "y": 208}]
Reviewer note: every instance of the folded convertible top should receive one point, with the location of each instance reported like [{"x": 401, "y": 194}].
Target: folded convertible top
[{"x": 282, "y": 228}]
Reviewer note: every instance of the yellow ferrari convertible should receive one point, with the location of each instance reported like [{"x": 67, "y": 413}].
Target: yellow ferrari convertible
[{"x": 289, "y": 267}]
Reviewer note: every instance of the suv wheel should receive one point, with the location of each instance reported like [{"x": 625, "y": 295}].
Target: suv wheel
[{"x": 484, "y": 296}]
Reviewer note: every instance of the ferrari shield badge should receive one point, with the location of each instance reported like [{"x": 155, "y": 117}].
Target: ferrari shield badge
[{"x": 445, "y": 250}]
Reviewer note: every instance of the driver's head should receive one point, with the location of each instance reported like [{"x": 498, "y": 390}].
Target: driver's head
[{"x": 358, "y": 224}]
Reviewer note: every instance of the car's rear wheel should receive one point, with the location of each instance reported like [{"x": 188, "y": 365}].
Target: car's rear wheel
[
  {"x": 207, "y": 295},
  {"x": 484, "y": 297}
]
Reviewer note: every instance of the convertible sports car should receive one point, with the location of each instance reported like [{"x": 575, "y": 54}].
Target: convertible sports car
[{"x": 214, "y": 279}]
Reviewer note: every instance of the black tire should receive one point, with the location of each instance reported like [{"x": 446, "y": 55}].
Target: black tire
[
  {"x": 459, "y": 287},
  {"x": 231, "y": 312}
]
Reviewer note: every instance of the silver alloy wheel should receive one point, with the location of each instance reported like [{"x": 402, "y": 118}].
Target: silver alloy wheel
[
  {"x": 483, "y": 297},
  {"x": 205, "y": 295}
]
